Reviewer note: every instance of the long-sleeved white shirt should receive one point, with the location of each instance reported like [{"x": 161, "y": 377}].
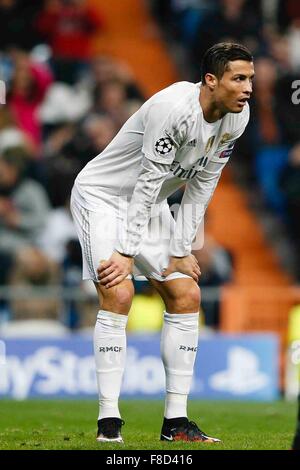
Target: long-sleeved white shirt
[{"x": 166, "y": 144}]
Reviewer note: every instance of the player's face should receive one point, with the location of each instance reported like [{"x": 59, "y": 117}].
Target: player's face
[{"x": 234, "y": 89}]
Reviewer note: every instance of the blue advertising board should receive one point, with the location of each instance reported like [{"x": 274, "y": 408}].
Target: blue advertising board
[{"x": 227, "y": 367}]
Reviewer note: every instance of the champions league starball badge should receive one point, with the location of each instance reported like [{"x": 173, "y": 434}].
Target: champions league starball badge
[{"x": 163, "y": 146}]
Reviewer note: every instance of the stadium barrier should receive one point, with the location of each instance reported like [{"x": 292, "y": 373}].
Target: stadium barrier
[
  {"x": 242, "y": 309},
  {"x": 243, "y": 367}
]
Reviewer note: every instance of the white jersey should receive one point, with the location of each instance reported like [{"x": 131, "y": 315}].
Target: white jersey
[{"x": 167, "y": 143}]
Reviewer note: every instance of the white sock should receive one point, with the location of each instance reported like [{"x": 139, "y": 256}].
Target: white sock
[
  {"x": 110, "y": 355},
  {"x": 179, "y": 343}
]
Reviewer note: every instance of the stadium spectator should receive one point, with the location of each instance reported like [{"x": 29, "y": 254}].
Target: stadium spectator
[
  {"x": 58, "y": 135},
  {"x": 23, "y": 208},
  {"x": 59, "y": 243},
  {"x": 17, "y": 24},
  {"x": 59, "y": 174},
  {"x": 265, "y": 82},
  {"x": 34, "y": 269},
  {"x": 69, "y": 26},
  {"x": 98, "y": 130},
  {"x": 287, "y": 12},
  {"x": 28, "y": 87},
  {"x": 69, "y": 148},
  {"x": 57, "y": 232},
  {"x": 12, "y": 136},
  {"x": 111, "y": 99},
  {"x": 105, "y": 70},
  {"x": 179, "y": 19},
  {"x": 233, "y": 20},
  {"x": 269, "y": 154},
  {"x": 290, "y": 183},
  {"x": 64, "y": 104}
]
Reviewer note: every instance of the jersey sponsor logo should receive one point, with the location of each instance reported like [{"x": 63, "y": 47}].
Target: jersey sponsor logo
[
  {"x": 189, "y": 173},
  {"x": 228, "y": 151},
  {"x": 181, "y": 172},
  {"x": 163, "y": 146}
]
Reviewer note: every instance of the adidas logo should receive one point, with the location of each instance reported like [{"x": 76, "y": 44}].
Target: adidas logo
[{"x": 192, "y": 143}]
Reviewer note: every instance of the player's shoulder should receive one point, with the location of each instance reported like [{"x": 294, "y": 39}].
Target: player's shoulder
[
  {"x": 177, "y": 89},
  {"x": 179, "y": 98}
]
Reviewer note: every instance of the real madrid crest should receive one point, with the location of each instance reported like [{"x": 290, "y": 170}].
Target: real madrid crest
[{"x": 225, "y": 137}]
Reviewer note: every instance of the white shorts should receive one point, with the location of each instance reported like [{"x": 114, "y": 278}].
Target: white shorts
[{"x": 98, "y": 230}]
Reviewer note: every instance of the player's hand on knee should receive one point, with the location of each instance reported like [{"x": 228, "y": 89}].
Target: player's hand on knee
[
  {"x": 186, "y": 265},
  {"x": 114, "y": 270}
]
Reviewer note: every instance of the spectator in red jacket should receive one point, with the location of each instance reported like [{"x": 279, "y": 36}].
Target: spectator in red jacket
[{"x": 68, "y": 26}]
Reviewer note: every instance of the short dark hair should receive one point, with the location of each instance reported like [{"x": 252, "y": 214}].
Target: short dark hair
[{"x": 215, "y": 59}]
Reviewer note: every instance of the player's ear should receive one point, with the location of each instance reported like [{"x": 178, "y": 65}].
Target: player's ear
[{"x": 210, "y": 81}]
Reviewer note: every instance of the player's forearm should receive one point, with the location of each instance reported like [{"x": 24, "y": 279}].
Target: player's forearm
[
  {"x": 146, "y": 190},
  {"x": 189, "y": 218},
  {"x": 196, "y": 198}
]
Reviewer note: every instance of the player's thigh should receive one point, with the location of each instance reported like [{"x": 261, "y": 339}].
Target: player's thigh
[
  {"x": 97, "y": 233},
  {"x": 181, "y": 295}
]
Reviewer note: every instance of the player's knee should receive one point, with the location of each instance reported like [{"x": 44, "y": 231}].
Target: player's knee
[
  {"x": 187, "y": 300},
  {"x": 194, "y": 296},
  {"x": 118, "y": 298},
  {"x": 123, "y": 296}
]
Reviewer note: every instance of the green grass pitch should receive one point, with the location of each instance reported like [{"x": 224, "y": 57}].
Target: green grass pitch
[{"x": 70, "y": 425}]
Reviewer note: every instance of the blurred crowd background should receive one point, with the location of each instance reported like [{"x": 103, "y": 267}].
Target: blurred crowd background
[{"x": 63, "y": 106}]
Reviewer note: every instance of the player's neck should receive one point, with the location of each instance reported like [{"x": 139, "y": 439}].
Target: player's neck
[{"x": 211, "y": 111}]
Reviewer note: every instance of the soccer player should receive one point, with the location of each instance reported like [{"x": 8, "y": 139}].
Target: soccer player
[{"x": 183, "y": 135}]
